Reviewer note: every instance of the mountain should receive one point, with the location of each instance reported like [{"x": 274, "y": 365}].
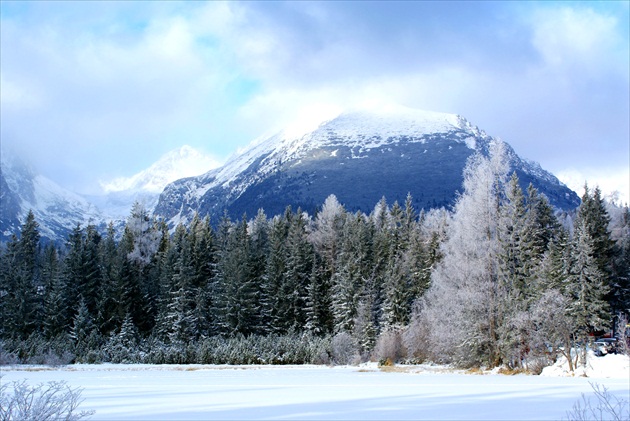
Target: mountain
[
  {"x": 360, "y": 156},
  {"x": 56, "y": 209},
  {"x": 146, "y": 186}
]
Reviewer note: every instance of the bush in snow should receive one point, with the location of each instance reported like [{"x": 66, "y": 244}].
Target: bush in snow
[
  {"x": 344, "y": 349},
  {"x": 53, "y": 401},
  {"x": 389, "y": 347},
  {"x": 6, "y": 357},
  {"x": 606, "y": 406}
]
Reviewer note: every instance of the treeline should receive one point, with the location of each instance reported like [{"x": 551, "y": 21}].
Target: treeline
[{"x": 479, "y": 285}]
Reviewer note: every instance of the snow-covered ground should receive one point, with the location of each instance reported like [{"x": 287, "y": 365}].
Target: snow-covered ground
[{"x": 315, "y": 392}]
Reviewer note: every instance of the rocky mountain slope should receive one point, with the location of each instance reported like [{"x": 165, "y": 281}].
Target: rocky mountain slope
[{"x": 56, "y": 209}]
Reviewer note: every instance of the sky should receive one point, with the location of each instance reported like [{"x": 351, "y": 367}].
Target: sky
[{"x": 94, "y": 91}]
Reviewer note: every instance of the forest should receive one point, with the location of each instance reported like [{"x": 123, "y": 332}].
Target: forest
[{"x": 500, "y": 279}]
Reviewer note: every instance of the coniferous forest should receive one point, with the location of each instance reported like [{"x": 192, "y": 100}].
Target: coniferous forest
[{"x": 499, "y": 279}]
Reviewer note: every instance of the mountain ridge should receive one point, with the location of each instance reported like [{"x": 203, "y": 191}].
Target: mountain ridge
[
  {"x": 410, "y": 147},
  {"x": 58, "y": 210}
]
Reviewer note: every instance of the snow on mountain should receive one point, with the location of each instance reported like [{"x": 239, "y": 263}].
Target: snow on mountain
[
  {"x": 359, "y": 155},
  {"x": 56, "y": 209},
  {"x": 179, "y": 163},
  {"x": 360, "y": 130},
  {"x": 146, "y": 186}
]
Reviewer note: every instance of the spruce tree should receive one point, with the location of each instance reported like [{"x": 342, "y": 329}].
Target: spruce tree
[
  {"x": 397, "y": 304},
  {"x": 56, "y": 314},
  {"x": 236, "y": 300},
  {"x": 181, "y": 315},
  {"x": 273, "y": 318},
  {"x": 586, "y": 284},
  {"x": 20, "y": 286},
  {"x": 298, "y": 271}
]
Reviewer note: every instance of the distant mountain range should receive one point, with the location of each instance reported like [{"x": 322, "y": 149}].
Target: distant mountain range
[
  {"x": 58, "y": 210},
  {"x": 359, "y": 156}
]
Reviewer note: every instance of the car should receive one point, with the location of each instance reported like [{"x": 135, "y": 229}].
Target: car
[{"x": 604, "y": 346}]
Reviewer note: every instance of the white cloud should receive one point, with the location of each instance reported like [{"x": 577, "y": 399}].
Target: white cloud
[
  {"x": 613, "y": 182},
  {"x": 180, "y": 163},
  {"x": 17, "y": 95},
  {"x": 113, "y": 94},
  {"x": 578, "y": 37}
]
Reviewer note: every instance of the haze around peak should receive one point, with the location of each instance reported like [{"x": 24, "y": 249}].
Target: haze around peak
[
  {"x": 174, "y": 165},
  {"x": 101, "y": 90}
]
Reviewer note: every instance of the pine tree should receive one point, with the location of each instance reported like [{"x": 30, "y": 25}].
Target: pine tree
[
  {"x": 397, "y": 304},
  {"x": 272, "y": 309},
  {"x": 91, "y": 278},
  {"x": 181, "y": 316},
  {"x": 56, "y": 303},
  {"x": 259, "y": 253},
  {"x": 619, "y": 296},
  {"x": 20, "y": 286},
  {"x": 553, "y": 269},
  {"x": 298, "y": 270},
  {"x": 167, "y": 276},
  {"x": 106, "y": 314},
  {"x": 318, "y": 316},
  {"x": 354, "y": 268},
  {"x": 586, "y": 284},
  {"x": 513, "y": 242},
  {"x": 236, "y": 299},
  {"x": 83, "y": 330}
]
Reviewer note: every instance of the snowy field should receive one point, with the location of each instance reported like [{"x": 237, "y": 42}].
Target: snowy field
[{"x": 150, "y": 392}]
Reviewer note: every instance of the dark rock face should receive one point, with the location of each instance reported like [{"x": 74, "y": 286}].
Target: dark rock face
[{"x": 356, "y": 159}]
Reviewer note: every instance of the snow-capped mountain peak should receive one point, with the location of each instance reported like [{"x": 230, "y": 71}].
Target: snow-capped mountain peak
[
  {"x": 56, "y": 209},
  {"x": 179, "y": 163},
  {"x": 359, "y": 155}
]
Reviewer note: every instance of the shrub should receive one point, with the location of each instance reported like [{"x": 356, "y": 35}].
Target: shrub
[
  {"x": 389, "y": 346},
  {"x": 415, "y": 339},
  {"x": 7, "y": 357},
  {"x": 344, "y": 349},
  {"x": 605, "y": 407},
  {"x": 52, "y": 401}
]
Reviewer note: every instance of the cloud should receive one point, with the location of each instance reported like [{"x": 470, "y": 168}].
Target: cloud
[
  {"x": 106, "y": 104},
  {"x": 578, "y": 38},
  {"x": 550, "y": 79},
  {"x": 111, "y": 90},
  {"x": 174, "y": 165},
  {"x": 613, "y": 182}
]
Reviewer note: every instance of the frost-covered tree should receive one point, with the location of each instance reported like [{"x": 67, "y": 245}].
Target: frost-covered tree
[
  {"x": 397, "y": 303},
  {"x": 83, "y": 331},
  {"x": 326, "y": 233},
  {"x": 463, "y": 304},
  {"x": 146, "y": 236},
  {"x": 354, "y": 269}
]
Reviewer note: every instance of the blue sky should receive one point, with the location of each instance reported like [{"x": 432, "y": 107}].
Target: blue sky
[{"x": 96, "y": 90}]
